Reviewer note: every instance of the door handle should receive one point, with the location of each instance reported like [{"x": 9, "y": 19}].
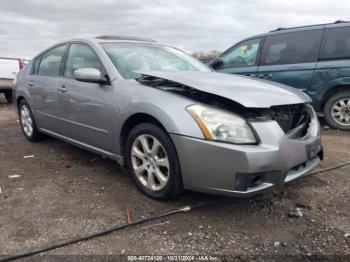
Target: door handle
[
  {"x": 265, "y": 76},
  {"x": 251, "y": 75},
  {"x": 62, "y": 89},
  {"x": 31, "y": 83}
]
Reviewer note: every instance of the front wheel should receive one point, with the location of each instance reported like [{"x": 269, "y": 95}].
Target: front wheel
[
  {"x": 337, "y": 111},
  {"x": 152, "y": 161}
]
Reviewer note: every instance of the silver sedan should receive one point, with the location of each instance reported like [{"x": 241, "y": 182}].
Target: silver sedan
[{"x": 174, "y": 123}]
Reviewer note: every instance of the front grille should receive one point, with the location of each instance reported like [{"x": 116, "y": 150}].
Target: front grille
[
  {"x": 290, "y": 116},
  {"x": 293, "y": 119}
]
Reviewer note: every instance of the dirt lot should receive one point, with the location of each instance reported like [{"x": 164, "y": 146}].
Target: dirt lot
[{"x": 51, "y": 202}]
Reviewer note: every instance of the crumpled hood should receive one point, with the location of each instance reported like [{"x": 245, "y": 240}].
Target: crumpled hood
[{"x": 243, "y": 90}]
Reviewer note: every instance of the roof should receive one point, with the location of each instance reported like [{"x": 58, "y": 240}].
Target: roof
[
  {"x": 338, "y": 23},
  {"x": 308, "y": 26},
  {"x": 124, "y": 38},
  {"x": 105, "y": 39}
]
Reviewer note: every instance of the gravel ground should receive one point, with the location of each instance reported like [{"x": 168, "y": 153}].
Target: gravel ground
[{"x": 52, "y": 201}]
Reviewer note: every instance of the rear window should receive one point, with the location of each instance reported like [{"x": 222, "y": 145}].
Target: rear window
[
  {"x": 291, "y": 48},
  {"x": 51, "y": 61},
  {"x": 336, "y": 43}
]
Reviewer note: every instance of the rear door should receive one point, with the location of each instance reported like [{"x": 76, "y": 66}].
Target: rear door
[
  {"x": 333, "y": 67},
  {"x": 42, "y": 86},
  {"x": 241, "y": 58},
  {"x": 84, "y": 107},
  {"x": 290, "y": 58}
]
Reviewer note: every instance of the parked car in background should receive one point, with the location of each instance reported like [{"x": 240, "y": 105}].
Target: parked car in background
[
  {"x": 9, "y": 67},
  {"x": 314, "y": 59},
  {"x": 170, "y": 119}
]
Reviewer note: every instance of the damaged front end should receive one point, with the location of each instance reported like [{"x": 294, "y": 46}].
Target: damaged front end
[
  {"x": 296, "y": 120},
  {"x": 287, "y": 141}
]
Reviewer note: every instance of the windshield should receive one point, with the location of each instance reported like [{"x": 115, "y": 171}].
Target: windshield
[{"x": 131, "y": 57}]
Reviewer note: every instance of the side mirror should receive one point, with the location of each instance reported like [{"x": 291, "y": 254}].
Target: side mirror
[
  {"x": 215, "y": 62},
  {"x": 90, "y": 75}
]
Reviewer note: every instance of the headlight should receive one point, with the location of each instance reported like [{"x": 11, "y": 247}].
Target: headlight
[{"x": 220, "y": 125}]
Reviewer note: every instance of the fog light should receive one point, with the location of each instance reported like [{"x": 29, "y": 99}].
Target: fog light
[{"x": 245, "y": 181}]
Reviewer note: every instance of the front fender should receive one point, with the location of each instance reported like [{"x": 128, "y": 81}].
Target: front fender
[{"x": 168, "y": 108}]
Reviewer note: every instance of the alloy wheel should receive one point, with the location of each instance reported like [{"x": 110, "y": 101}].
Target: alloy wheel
[
  {"x": 26, "y": 121},
  {"x": 150, "y": 162},
  {"x": 340, "y": 111}
]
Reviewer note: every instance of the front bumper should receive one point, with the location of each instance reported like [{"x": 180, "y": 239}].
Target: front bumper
[{"x": 243, "y": 170}]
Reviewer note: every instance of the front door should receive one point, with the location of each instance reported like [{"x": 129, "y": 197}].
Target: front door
[
  {"x": 85, "y": 110},
  {"x": 290, "y": 58}
]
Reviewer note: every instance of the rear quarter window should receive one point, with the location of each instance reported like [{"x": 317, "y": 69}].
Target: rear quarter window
[
  {"x": 36, "y": 64},
  {"x": 291, "y": 48},
  {"x": 336, "y": 43}
]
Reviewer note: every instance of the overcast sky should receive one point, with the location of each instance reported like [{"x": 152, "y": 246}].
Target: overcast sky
[{"x": 27, "y": 27}]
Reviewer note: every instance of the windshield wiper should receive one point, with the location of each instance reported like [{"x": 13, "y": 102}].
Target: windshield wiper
[{"x": 162, "y": 83}]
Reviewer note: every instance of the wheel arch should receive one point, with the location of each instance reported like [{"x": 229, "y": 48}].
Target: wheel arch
[
  {"x": 133, "y": 121},
  {"x": 19, "y": 99},
  {"x": 331, "y": 91}
]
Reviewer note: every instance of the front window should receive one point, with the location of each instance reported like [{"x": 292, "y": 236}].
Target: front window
[
  {"x": 241, "y": 55},
  {"x": 129, "y": 58},
  {"x": 81, "y": 56}
]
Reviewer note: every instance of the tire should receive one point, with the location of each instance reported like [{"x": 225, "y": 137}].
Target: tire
[
  {"x": 152, "y": 167},
  {"x": 332, "y": 106},
  {"x": 25, "y": 118},
  {"x": 8, "y": 96}
]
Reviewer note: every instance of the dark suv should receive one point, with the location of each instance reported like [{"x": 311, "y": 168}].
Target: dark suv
[{"x": 315, "y": 59}]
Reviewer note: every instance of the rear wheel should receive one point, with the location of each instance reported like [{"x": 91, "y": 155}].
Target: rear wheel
[
  {"x": 8, "y": 96},
  {"x": 152, "y": 161},
  {"x": 27, "y": 122},
  {"x": 337, "y": 111}
]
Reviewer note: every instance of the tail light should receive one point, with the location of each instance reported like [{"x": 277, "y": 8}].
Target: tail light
[{"x": 21, "y": 64}]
